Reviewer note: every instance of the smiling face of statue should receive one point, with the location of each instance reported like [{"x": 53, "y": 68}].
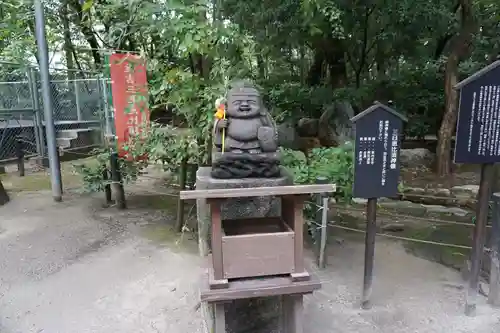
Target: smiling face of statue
[{"x": 243, "y": 103}]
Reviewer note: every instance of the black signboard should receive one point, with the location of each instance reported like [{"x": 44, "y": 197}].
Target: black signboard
[
  {"x": 376, "y": 170},
  {"x": 478, "y": 126}
]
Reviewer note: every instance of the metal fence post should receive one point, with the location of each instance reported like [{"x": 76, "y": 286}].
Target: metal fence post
[
  {"x": 20, "y": 156},
  {"x": 494, "y": 294},
  {"x": 43, "y": 56},
  {"x": 100, "y": 106},
  {"x": 320, "y": 232},
  {"x": 77, "y": 100},
  {"x": 38, "y": 124},
  {"x": 107, "y": 117}
]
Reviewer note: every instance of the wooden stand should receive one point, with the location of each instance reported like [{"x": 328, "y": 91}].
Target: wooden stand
[
  {"x": 291, "y": 298},
  {"x": 258, "y": 257}
]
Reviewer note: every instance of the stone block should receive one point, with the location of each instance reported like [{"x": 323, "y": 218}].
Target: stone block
[{"x": 242, "y": 207}]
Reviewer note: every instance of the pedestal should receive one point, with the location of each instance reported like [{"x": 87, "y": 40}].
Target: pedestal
[
  {"x": 242, "y": 315},
  {"x": 256, "y": 277}
]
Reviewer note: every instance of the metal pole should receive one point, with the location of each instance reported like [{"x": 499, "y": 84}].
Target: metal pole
[
  {"x": 38, "y": 116},
  {"x": 77, "y": 101},
  {"x": 479, "y": 238},
  {"x": 20, "y": 156},
  {"x": 318, "y": 227},
  {"x": 494, "y": 294},
  {"x": 108, "y": 132},
  {"x": 101, "y": 105},
  {"x": 36, "y": 128},
  {"x": 43, "y": 56},
  {"x": 324, "y": 234},
  {"x": 371, "y": 230},
  {"x": 179, "y": 224}
]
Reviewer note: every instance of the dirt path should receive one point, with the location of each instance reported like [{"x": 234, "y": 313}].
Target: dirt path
[
  {"x": 66, "y": 268},
  {"x": 74, "y": 267}
]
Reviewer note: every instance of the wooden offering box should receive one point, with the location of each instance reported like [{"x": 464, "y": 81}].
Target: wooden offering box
[{"x": 256, "y": 247}]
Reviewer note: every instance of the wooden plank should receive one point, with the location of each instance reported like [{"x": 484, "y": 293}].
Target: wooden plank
[
  {"x": 297, "y": 316},
  {"x": 286, "y": 311},
  {"x": 260, "y": 254},
  {"x": 215, "y": 207},
  {"x": 216, "y": 284},
  {"x": 258, "y": 191},
  {"x": 298, "y": 227},
  {"x": 220, "y": 318},
  {"x": 253, "y": 226},
  {"x": 258, "y": 287}
]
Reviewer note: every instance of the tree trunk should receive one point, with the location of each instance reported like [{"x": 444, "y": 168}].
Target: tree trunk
[
  {"x": 459, "y": 49},
  {"x": 4, "y": 197},
  {"x": 87, "y": 32},
  {"x": 316, "y": 74},
  {"x": 443, "y": 150},
  {"x": 337, "y": 64},
  {"x": 68, "y": 47}
]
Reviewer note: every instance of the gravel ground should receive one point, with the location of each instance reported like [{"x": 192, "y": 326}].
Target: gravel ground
[{"x": 76, "y": 267}]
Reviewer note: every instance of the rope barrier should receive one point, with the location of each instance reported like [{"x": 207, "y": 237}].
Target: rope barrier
[
  {"x": 401, "y": 216},
  {"x": 404, "y": 238}
]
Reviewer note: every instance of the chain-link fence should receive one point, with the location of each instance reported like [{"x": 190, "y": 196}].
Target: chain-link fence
[{"x": 78, "y": 107}]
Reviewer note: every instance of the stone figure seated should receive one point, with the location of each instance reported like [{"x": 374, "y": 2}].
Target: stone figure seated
[{"x": 246, "y": 138}]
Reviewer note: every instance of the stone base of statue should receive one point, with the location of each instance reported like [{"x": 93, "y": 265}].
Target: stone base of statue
[
  {"x": 254, "y": 315},
  {"x": 243, "y": 165}
]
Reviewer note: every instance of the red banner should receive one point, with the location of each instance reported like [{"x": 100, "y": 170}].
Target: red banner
[{"x": 129, "y": 86}]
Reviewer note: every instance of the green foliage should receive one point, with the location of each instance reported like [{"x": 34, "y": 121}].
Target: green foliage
[
  {"x": 156, "y": 145},
  {"x": 335, "y": 164}
]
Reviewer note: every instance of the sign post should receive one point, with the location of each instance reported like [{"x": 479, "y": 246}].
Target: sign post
[
  {"x": 478, "y": 142},
  {"x": 376, "y": 172}
]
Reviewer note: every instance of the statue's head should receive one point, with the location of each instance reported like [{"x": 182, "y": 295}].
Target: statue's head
[{"x": 243, "y": 101}]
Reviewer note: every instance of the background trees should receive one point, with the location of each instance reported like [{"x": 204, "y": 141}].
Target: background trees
[{"x": 307, "y": 54}]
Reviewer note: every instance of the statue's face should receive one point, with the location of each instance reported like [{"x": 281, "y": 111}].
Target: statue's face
[{"x": 243, "y": 104}]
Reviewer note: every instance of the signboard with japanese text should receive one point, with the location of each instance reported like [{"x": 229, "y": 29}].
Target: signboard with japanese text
[
  {"x": 478, "y": 126},
  {"x": 130, "y": 97},
  {"x": 376, "y": 169}
]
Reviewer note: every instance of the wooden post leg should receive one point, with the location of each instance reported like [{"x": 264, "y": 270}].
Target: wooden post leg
[
  {"x": 292, "y": 312},
  {"x": 285, "y": 314},
  {"x": 220, "y": 318}
]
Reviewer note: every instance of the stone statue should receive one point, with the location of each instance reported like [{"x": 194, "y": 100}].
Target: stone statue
[{"x": 246, "y": 139}]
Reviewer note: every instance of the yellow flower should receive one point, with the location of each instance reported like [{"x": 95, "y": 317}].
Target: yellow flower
[{"x": 220, "y": 113}]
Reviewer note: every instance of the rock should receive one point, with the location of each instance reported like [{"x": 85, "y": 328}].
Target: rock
[
  {"x": 440, "y": 192},
  {"x": 415, "y": 190},
  {"x": 359, "y": 201},
  {"x": 335, "y": 127},
  {"x": 437, "y": 209},
  {"x": 416, "y": 157},
  {"x": 393, "y": 227},
  {"x": 405, "y": 207},
  {"x": 469, "y": 191},
  {"x": 287, "y": 136},
  {"x": 307, "y": 127}
]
